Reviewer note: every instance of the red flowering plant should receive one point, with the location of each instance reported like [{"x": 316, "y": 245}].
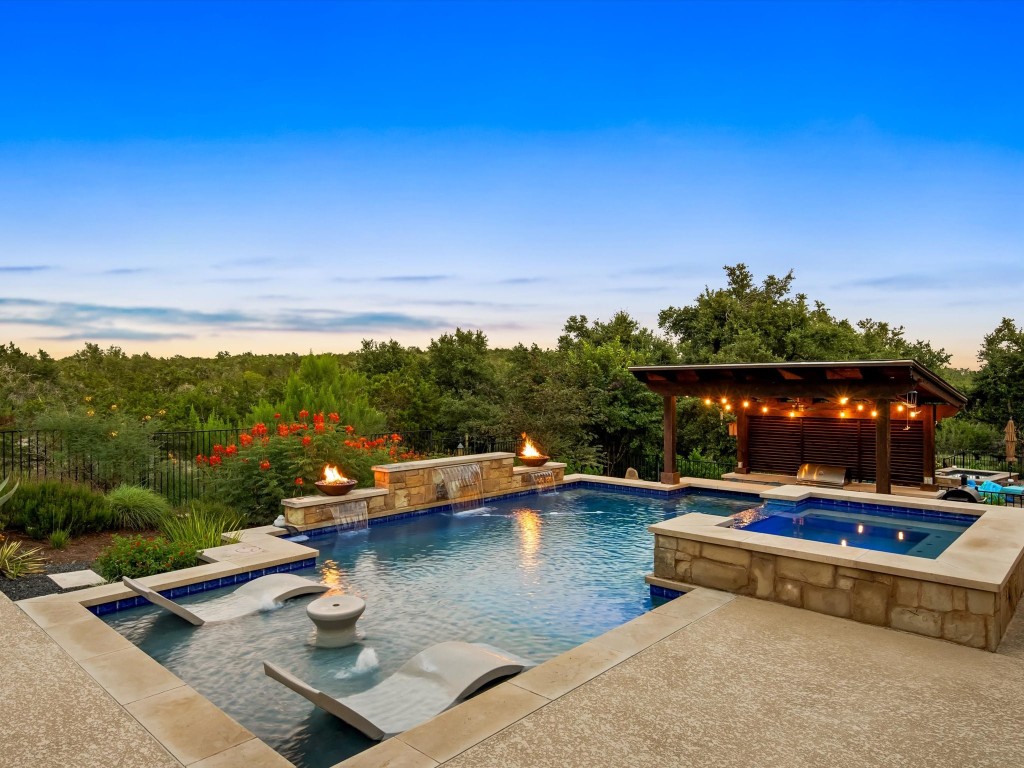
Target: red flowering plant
[{"x": 266, "y": 465}]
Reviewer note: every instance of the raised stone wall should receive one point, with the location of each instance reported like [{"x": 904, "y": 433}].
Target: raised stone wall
[
  {"x": 413, "y": 485},
  {"x": 961, "y": 615}
]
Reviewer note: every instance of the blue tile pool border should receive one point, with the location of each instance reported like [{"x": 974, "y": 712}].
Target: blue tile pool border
[
  {"x": 113, "y": 606},
  {"x": 882, "y": 510},
  {"x": 665, "y": 593}
]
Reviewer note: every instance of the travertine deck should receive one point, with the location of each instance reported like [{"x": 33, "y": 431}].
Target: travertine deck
[{"x": 747, "y": 683}]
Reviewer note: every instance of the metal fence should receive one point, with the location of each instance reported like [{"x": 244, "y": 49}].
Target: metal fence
[
  {"x": 984, "y": 461},
  {"x": 169, "y": 466},
  {"x": 649, "y": 467}
]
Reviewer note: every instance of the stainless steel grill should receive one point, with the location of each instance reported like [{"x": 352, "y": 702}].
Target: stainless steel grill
[{"x": 824, "y": 475}]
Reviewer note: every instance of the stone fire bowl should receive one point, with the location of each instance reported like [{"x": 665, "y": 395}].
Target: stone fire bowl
[
  {"x": 534, "y": 461},
  {"x": 335, "y": 489}
]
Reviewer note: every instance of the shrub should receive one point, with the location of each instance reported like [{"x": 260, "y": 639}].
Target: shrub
[
  {"x": 16, "y": 562},
  {"x": 202, "y": 525},
  {"x": 38, "y": 509},
  {"x": 59, "y": 539},
  {"x": 136, "y": 508},
  {"x": 135, "y": 556},
  {"x": 272, "y": 462}
]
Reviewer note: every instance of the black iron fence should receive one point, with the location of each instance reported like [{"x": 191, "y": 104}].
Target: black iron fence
[
  {"x": 649, "y": 467},
  {"x": 982, "y": 461},
  {"x": 167, "y": 461}
]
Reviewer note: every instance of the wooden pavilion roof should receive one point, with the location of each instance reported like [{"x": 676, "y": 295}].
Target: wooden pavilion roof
[{"x": 829, "y": 381}]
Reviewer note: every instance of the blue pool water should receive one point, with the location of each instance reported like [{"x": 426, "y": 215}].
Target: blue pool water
[
  {"x": 885, "y": 529},
  {"x": 536, "y": 575}
]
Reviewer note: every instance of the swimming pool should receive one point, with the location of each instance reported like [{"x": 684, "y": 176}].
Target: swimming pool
[
  {"x": 536, "y": 575},
  {"x": 899, "y": 530}
]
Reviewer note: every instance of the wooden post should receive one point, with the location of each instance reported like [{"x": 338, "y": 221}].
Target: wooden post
[
  {"x": 928, "y": 480},
  {"x": 883, "y": 448},
  {"x": 669, "y": 474},
  {"x": 742, "y": 444}
]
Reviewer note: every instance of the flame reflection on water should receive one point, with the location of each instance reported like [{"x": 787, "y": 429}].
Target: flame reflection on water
[{"x": 528, "y": 524}]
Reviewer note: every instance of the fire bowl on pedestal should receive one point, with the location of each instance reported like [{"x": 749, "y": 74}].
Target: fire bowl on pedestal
[
  {"x": 335, "y": 489},
  {"x": 534, "y": 461}
]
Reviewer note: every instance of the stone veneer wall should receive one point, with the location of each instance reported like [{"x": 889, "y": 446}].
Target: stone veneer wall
[
  {"x": 415, "y": 488},
  {"x": 971, "y": 617}
]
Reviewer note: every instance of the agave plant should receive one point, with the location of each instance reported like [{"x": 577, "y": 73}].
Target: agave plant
[{"x": 16, "y": 562}]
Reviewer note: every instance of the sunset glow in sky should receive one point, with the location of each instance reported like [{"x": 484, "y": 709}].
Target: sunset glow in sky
[{"x": 184, "y": 178}]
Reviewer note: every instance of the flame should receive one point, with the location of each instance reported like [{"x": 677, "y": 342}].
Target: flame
[
  {"x": 333, "y": 476},
  {"x": 528, "y": 449}
]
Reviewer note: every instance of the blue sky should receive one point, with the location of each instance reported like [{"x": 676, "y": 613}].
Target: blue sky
[{"x": 186, "y": 178}]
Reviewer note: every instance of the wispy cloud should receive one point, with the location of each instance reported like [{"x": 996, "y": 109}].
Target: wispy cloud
[
  {"x": 907, "y": 281},
  {"x": 124, "y": 334},
  {"x": 25, "y": 268},
  {"x": 82, "y": 320},
  {"x": 522, "y": 280},
  {"x": 127, "y": 271}
]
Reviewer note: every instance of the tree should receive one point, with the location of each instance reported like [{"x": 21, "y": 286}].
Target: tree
[
  {"x": 750, "y": 323},
  {"x": 999, "y": 385}
]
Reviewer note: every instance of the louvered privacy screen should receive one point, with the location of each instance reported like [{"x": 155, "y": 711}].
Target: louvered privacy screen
[{"x": 782, "y": 444}]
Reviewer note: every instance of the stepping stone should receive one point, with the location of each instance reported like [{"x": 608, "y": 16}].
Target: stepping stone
[{"x": 73, "y": 579}]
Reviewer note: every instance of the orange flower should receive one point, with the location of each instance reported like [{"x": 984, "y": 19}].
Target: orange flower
[
  {"x": 334, "y": 417},
  {"x": 231, "y": 450},
  {"x": 265, "y": 465},
  {"x": 299, "y": 481},
  {"x": 350, "y": 429},
  {"x": 303, "y": 414},
  {"x": 306, "y": 440},
  {"x": 245, "y": 440},
  {"x": 282, "y": 430}
]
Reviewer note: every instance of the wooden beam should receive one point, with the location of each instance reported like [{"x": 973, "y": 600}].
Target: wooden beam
[
  {"x": 669, "y": 474},
  {"x": 930, "y": 417},
  {"x": 742, "y": 442},
  {"x": 883, "y": 448}
]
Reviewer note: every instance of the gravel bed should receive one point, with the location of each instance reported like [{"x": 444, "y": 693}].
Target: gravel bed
[{"x": 39, "y": 584}]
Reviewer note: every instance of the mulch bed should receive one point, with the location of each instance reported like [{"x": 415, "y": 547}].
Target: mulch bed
[{"x": 78, "y": 555}]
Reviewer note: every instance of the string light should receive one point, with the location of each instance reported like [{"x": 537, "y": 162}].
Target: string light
[
  {"x": 844, "y": 400},
  {"x": 746, "y": 403},
  {"x": 899, "y": 408},
  {"x": 842, "y": 414},
  {"x": 874, "y": 414},
  {"x": 725, "y": 400},
  {"x": 707, "y": 401},
  {"x": 764, "y": 409},
  {"x": 860, "y": 406},
  {"x": 728, "y": 407},
  {"x": 792, "y": 414}
]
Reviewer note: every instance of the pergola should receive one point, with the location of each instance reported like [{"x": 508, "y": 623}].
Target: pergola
[{"x": 817, "y": 411}]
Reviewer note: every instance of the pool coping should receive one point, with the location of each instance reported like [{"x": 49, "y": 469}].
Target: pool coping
[
  {"x": 158, "y": 699},
  {"x": 983, "y": 557}
]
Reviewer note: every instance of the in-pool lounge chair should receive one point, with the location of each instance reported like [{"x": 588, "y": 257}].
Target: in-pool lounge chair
[
  {"x": 262, "y": 594},
  {"x": 426, "y": 685}
]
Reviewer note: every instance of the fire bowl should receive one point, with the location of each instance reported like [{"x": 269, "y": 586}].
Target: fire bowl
[
  {"x": 335, "y": 489},
  {"x": 534, "y": 461}
]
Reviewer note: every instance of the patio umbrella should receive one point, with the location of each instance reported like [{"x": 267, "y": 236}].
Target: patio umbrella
[{"x": 1011, "y": 440}]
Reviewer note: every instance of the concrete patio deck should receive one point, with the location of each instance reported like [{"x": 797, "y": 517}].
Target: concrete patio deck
[
  {"x": 709, "y": 679},
  {"x": 748, "y": 683}
]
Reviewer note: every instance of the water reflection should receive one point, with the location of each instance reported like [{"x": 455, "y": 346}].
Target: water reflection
[
  {"x": 528, "y": 524},
  {"x": 335, "y": 577}
]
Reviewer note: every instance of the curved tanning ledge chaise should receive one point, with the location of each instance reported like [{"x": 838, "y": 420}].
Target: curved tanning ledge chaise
[
  {"x": 262, "y": 594},
  {"x": 426, "y": 685}
]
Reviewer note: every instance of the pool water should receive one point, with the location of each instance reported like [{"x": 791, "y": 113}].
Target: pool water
[
  {"x": 536, "y": 575},
  {"x": 900, "y": 531}
]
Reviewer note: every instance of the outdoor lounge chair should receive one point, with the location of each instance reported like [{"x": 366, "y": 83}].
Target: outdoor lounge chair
[
  {"x": 430, "y": 682},
  {"x": 262, "y": 594}
]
